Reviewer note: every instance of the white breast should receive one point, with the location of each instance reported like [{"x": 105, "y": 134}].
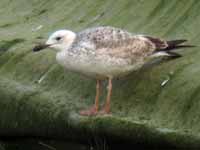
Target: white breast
[
  {"x": 76, "y": 63},
  {"x": 95, "y": 67}
]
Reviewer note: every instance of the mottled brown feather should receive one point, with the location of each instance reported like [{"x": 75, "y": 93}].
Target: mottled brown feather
[
  {"x": 159, "y": 43},
  {"x": 118, "y": 43}
]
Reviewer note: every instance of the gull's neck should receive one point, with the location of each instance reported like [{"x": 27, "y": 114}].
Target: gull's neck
[{"x": 69, "y": 41}]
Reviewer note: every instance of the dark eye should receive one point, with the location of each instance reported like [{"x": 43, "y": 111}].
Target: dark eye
[{"x": 58, "y": 38}]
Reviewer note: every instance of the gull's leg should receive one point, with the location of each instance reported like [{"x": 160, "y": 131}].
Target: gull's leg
[
  {"x": 106, "y": 109},
  {"x": 98, "y": 88},
  {"x": 94, "y": 109}
]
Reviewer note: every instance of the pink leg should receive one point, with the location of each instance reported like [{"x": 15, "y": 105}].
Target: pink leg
[
  {"x": 106, "y": 109},
  {"x": 94, "y": 109}
]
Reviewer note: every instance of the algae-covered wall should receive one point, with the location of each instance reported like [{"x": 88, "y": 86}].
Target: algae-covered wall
[{"x": 38, "y": 98}]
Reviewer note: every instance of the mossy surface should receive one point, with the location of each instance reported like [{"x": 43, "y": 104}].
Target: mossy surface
[{"x": 38, "y": 98}]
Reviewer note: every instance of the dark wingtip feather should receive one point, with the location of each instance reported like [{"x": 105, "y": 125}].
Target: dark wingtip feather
[
  {"x": 174, "y": 47},
  {"x": 176, "y": 42}
]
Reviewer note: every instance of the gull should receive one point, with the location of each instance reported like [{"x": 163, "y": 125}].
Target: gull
[{"x": 105, "y": 53}]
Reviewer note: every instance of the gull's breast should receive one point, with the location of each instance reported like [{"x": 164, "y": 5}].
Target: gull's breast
[{"x": 100, "y": 66}]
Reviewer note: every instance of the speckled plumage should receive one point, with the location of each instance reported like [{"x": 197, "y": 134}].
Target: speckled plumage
[{"x": 106, "y": 52}]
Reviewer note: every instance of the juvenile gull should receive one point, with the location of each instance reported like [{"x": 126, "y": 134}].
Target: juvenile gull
[{"x": 106, "y": 53}]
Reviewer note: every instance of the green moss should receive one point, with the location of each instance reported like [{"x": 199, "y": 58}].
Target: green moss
[
  {"x": 39, "y": 98},
  {"x": 6, "y": 25},
  {"x": 6, "y": 45}
]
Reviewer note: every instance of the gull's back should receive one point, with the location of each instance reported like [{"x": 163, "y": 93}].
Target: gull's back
[{"x": 112, "y": 41}]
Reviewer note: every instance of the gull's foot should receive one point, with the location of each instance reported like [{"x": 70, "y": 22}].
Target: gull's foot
[
  {"x": 89, "y": 112},
  {"x": 104, "y": 112}
]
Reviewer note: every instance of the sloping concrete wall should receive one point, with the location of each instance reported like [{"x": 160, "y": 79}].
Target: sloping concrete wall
[{"x": 39, "y": 98}]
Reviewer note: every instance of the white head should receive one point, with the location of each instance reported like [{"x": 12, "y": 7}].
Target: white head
[{"x": 59, "y": 40}]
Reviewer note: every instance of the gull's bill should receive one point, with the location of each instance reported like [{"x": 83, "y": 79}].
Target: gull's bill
[{"x": 40, "y": 47}]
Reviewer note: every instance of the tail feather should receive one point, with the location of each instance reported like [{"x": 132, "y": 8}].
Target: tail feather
[
  {"x": 166, "y": 54},
  {"x": 173, "y": 55}
]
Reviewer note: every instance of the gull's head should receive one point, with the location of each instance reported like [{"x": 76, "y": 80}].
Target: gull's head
[{"x": 59, "y": 40}]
